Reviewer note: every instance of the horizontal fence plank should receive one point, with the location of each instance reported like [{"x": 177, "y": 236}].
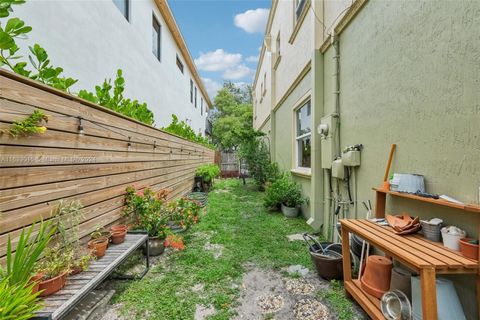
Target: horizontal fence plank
[{"x": 94, "y": 167}]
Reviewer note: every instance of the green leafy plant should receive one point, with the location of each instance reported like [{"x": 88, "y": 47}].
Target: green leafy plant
[
  {"x": 182, "y": 129},
  {"x": 56, "y": 261},
  {"x": 283, "y": 191},
  {"x": 208, "y": 172},
  {"x": 184, "y": 212},
  {"x": 115, "y": 100},
  {"x": 68, "y": 217},
  {"x": 256, "y": 153},
  {"x": 17, "y": 301},
  {"x": 29, "y": 248},
  {"x": 29, "y": 125}
]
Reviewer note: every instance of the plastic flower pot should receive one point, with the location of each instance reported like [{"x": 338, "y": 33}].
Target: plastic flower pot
[
  {"x": 156, "y": 246},
  {"x": 98, "y": 246},
  {"x": 290, "y": 212},
  {"x": 377, "y": 275},
  {"x": 118, "y": 236},
  {"x": 468, "y": 249},
  {"x": 50, "y": 286}
]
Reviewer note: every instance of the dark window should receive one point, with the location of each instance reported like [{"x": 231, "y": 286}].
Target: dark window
[
  {"x": 304, "y": 135},
  {"x": 123, "y": 6},
  {"x": 179, "y": 64},
  {"x": 191, "y": 91},
  {"x": 299, "y": 9},
  {"x": 156, "y": 38},
  {"x": 201, "y": 106},
  {"x": 195, "y": 97}
]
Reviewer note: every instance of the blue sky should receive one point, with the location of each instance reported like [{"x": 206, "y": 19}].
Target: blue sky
[{"x": 223, "y": 37}]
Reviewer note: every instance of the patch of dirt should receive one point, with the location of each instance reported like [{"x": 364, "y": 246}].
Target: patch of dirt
[
  {"x": 113, "y": 312},
  {"x": 217, "y": 249},
  {"x": 203, "y": 312}
]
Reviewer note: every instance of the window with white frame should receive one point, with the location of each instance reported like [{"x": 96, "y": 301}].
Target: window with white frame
[
  {"x": 156, "y": 38},
  {"x": 123, "y": 6},
  {"x": 304, "y": 135}
]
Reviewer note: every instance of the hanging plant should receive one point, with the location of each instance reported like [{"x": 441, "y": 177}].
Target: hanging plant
[{"x": 28, "y": 126}]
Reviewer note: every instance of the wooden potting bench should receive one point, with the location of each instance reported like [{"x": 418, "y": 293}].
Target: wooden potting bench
[
  {"x": 78, "y": 286},
  {"x": 423, "y": 256}
]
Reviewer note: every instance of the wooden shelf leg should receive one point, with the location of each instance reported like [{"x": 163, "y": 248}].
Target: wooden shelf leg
[
  {"x": 347, "y": 263},
  {"x": 429, "y": 294}
]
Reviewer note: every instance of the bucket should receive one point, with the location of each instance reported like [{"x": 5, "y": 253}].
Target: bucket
[
  {"x": 356, "y": 245},
  {"x": 452, "y": 241},
  {"x": 401, "y": 281},
  {"x": 327, "y": 258},
  {"x": 431, "y": 231},
  {"x": 448, "y": 304}
]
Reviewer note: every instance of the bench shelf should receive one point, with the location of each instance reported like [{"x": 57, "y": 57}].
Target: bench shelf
[
  {"x": 423, "y": 256},
  {"x": 79, "y": 285}
]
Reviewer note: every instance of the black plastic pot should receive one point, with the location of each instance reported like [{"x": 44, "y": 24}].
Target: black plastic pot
[
  {"x": 356, "y": 245},
  {"x": 328, "y": 267}
]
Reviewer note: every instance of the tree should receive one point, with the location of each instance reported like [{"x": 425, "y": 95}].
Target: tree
[{"x": 233, "y": 121}]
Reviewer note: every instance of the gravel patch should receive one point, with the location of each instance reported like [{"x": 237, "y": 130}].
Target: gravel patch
[
  {"x": 310, "y": 309},
  {"x": 270, "y": 303},
  {"x": 299, "y": 286}
]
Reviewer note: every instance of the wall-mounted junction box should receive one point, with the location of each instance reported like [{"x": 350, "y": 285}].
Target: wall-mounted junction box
[
  {"x": 351, "y": 158},
  {"x": 338, "y": 169},
  {"x": 327, "y": 129}
]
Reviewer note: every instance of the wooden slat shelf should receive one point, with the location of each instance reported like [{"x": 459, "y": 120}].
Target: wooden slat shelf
[
  {"x": 441, "y": 202},
  {"x": 423, "y": 256}
]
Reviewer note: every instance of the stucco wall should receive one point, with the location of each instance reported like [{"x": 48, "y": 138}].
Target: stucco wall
[
  {"x": 410, "y": 74},
  {"x": 92, "y": 39},
  {"x": 284, "y": 131}
]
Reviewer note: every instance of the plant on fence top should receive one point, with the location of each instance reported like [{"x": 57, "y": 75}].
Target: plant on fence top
[
  {"x": 48, "y": 74},
  {"x": 182, "y": 129}
]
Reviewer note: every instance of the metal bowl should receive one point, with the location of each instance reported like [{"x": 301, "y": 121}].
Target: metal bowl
[{"x": 396, "y": 306}]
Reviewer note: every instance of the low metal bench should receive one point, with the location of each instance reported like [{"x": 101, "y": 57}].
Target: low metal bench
[{"x": 79, "y": 285}]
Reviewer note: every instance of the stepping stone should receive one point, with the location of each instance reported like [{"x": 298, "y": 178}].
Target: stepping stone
[{"x": 297, "y": 269}]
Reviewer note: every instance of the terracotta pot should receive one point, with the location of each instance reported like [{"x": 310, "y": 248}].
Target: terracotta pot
[
  {"x": 36, "y": 282},
  {"x": 98, "y": 246},
  {"x": 468, "y": 249},
  {"x": 118, "y": 236},
  {"x": 50, "y": 286},
  {"x": 377, "y": 275},
  {"x": 119, "y": 227}
]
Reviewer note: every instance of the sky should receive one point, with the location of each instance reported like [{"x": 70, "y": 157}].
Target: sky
[{"x": 224, "y": 37}]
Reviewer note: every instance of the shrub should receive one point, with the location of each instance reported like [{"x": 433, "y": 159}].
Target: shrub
[
  {"x": 17, "y": 301},
  {"x": 283, "y": 191},
  {"x": 182, "y": 129},
  {"x": 208, "y": 172},
  {"x": 184, "y": 212},
  {"x": 256, "y": 153}
]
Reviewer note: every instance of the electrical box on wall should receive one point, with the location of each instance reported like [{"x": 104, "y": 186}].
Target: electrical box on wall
[
  {"x": 351, "y": 158},
  {"x": 326, "y": 130},
  {"x": 338, "y": 169}
]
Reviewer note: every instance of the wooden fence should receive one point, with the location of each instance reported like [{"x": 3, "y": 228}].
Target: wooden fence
[{"x": 93, "y": 167}]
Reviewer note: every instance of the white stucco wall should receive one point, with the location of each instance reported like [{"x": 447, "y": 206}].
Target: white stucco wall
[{"x": 92, "y": 39}]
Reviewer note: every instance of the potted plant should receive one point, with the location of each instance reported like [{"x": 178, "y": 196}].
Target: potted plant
[
  {"x": 54, "y": 267},
  {"x": 81, "y": 261},
  {"x": 286, "y": 194},
  {"x": 99, "y": 242},
  {"x": 154, "y": 222},
  {"x": 183, "y": 213},
  {"x": 207, "y": 173},
  {"x": 17, "y": 300}
]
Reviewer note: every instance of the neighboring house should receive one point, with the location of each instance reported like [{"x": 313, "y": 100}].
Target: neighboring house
[
  {"x": 92, "y": 39},
  {"x": 374, "y": 73}
]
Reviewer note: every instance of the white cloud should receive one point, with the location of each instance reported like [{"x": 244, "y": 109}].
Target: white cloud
[
  {"x": 252, "y": 59},
  {"x": 252, "y": 21},
  {"x": 238, "y": 72},
  {"x": 212, "y": 87},
  {"x": 218, "y": 60}
]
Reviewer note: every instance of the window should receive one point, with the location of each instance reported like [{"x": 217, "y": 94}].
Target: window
[
  {"x": 123, "y": 6},
  {"x": 201, "y": 106},
  {"x": 179, "y": 64},
  {"x": 191, "y": 91},
  {"x": 278, "y": 45},
  {"x": 195, "y": 97},
  {"x": 156, "y": 38},
  {"x": 304, "y": 135},
  {"x": 264, "y": 84},
  {"x": 299, "y": 5}
]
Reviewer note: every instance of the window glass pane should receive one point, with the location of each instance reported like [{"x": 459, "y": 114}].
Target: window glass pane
[
  {"x": 156, "y": 38},
  {"x": 304, "y": 152},
  {"x": 304, "y": 119},
  {"x": 122, "y": 5}
]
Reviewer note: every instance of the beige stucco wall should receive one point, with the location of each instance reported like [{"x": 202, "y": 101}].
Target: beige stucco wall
[{"x": 410, "y": 75}]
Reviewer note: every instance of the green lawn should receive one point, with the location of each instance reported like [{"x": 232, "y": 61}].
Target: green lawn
[{"x": 236, "y": 220}]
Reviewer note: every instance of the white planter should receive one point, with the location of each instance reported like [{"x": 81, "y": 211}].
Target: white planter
[
  {"x": 290, "y": 212},
  {"x": 452, "y": 241}
]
